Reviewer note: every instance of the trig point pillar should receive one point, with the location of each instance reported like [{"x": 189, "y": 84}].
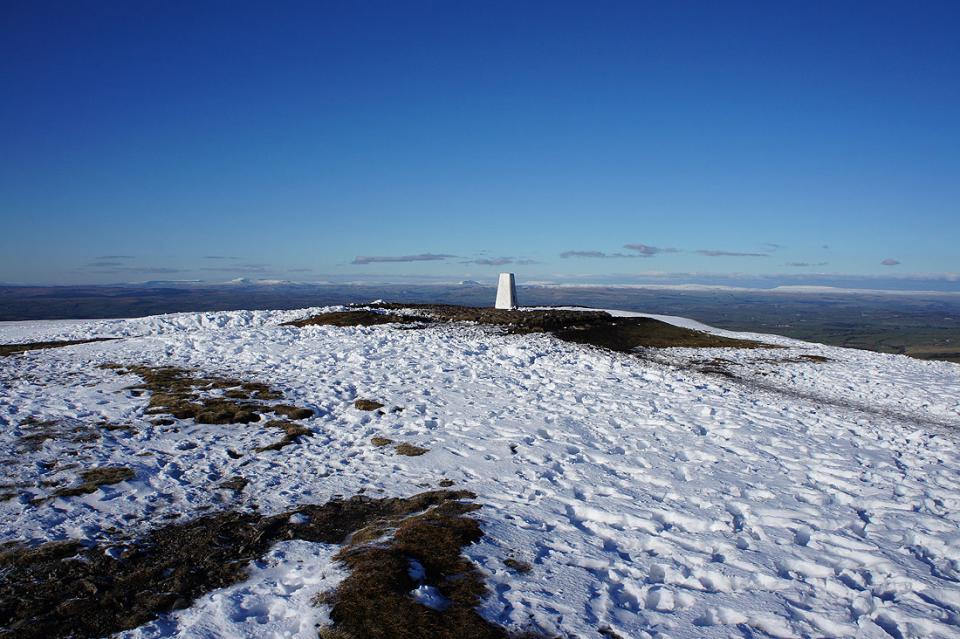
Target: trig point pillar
[{"x": 506, "y": 292}]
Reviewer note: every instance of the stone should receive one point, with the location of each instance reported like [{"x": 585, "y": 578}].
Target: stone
[{"x": 506, "y": 292}]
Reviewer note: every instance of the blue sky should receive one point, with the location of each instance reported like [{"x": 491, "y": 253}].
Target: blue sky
[{"x": 788, "y": 142}]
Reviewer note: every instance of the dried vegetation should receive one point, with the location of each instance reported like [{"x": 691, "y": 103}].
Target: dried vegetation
[
  {"x": 185, "y": 394},
  {"x": 14, "y": 349},
  {"x": 93, "y": 478},
  {"x": 597, "y": 328},
  {"x": 62, "y": 589},
  {"x": 367, "y": 404}
]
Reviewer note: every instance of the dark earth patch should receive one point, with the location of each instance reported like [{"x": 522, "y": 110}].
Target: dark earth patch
[
  {"x": 409, "y": 450},
  {"x": 63, "y": 589},
  {"x": 374, "y": 600},
  {"x": 111, "y": 426},
  {"x": 627, "y": 333},
  {"x": 184, "y": 394},
  {"x": 14, "y": 349},
  {"x": 518, "y": 321},
  {"x": 292, "y": 431},
  {"x": 235, "y": 483},
  {"x": 292, "y": 412},
  {"x": 517, "y": 565},
  {"x": 35, "y": 432},
  {"x": 93, "y": 478},
  {"x": 380, "y": 441},
  {"x": 367, "y": 404},
  {"x": 597, "y": 328},
  {"x": 357, "y": 318}
]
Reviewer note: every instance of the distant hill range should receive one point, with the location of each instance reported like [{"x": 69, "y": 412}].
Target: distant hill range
[{"x": 917, "y": 324}]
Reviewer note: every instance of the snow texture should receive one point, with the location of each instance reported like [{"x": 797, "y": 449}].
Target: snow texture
[{"x": 797, "y": 499}]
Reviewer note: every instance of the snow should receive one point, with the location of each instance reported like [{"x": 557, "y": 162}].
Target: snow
[
  {"x": 801, "y": 499},
  {"x": 275, "y": 601},
  {"x": 430, "y": 597}
]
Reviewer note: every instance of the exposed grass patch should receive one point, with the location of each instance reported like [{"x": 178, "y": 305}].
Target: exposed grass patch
[
  {"x": 627, "y": 333},
  {"x": 36, "y": 432},
  {"x": 14, "y": 349},
  {"x": 518, "y": 321},
  {"x": 374, "y": 600},
  {"x": 380, "y": 441},
  {"x": 445, "y": 483},
  {"x": 410, "y": 450},
  {"x": 61, "y": 589},
  {"x": 235, "y": 483},
  {"x": 111, "y": 426},
  {"x": 367, "y": 404},
  {"x": 357, "y": 318},
  {"x": 799, "y": 359},
  {"x": 598, "y": 328},
  {"x": 516, "y": 565},
  {"x": 714, "y": 366},
  {"x": 723, "y": 366},
  {"x": 92, "y": 479},
  {"x": 292, "y": 412},
  {"x": 186, "y": 394},
  {"x": 291, "y": 430}
]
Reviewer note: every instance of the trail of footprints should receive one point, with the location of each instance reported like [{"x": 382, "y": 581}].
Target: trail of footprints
[{"x": 651, "y": 502}]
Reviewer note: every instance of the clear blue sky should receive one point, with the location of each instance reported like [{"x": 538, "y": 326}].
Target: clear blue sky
[{"x": 452, "y": 140}]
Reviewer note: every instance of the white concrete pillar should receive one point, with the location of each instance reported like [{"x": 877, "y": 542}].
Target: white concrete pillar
[{"x": 506, "y": 292}]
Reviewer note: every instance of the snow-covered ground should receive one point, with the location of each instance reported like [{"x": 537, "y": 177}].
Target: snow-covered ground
[{"x": 798, "y": 499}]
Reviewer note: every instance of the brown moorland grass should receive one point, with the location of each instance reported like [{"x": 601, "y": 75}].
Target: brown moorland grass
[
  {"x": 62, "y": 589},
  {"x": 93, "y": 478},
  {"x": 597, "y": 328},
  {"x": 357, "y": 318},
  {"x": 374, "y": 600},
  {"x": 35, "y": 432},
  {"x": 291, "y": 430},
  {"x": 624, "y": 334},
  {"x": 409, "y": 450},
  {"x": 184, "y": 394},
  {"x": 14, "y": 349},
  {"x": 517, "y": 565},
  {"x": 291, "y": 412}
]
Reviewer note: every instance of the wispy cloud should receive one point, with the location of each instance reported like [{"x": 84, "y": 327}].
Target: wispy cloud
[
  {"x": 166, "y": 270},
  {"x": 120, "y": 264},
  {"x": 801, "y": 264},
  {"x": 220, "y": 257},
  {"x": 890, "y": 262},
  {"x": 766, "y": 280},
  {"x": 770, "y": 246},
  {"x": 255, "y": 267},
  {"x": 422, "y": 257},
  {"x": 595, "y": 254},
  {"x": 490, "y": 261},
  {"x": 499, "y": 261},
  {"x": 714, "y": 253},
  {"x": 645, "y": 250}
]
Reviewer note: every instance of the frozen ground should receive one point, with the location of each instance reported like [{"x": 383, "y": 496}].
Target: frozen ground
[{"x": 788, "y": 498}]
